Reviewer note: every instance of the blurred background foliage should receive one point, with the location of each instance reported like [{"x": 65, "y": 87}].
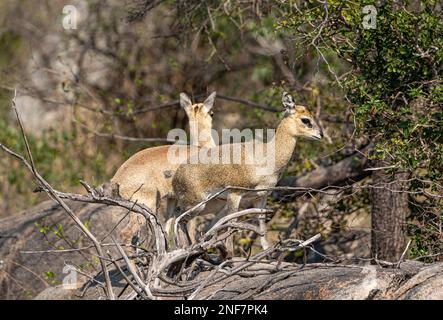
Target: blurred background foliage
[{"x": 119, "y": 74}]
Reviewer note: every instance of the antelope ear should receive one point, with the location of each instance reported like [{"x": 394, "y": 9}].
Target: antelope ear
[
  {"x": 185, "y": 102},
  {"x": 288, "y": 101},
  {"x": 209, "y": 102}
]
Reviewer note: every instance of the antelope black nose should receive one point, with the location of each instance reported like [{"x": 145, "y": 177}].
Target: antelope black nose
[{"x": 321, "y": 134}]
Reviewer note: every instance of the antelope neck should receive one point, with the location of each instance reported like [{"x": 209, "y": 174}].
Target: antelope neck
[
  {"x": 201, "y": 135},
  {"x": 284, "y": 144}
]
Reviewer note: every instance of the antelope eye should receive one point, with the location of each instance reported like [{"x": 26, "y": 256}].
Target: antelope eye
[
  {"x": 307, "y": 122},
  {"x": 211, "y": 113}
]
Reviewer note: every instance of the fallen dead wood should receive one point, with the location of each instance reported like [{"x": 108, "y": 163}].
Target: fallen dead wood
[
  {"x": 27, "y": 255},
  {"x": 270, "y": 281}
]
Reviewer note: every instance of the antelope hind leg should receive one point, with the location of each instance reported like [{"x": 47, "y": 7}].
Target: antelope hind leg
[{"x": 232, "y": 205}]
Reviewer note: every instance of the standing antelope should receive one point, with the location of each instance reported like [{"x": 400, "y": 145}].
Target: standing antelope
[
  {"x": 194, "y": 181},
  {"x": 146, "y": 177}
]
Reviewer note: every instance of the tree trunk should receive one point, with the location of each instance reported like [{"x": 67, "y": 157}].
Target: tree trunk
[{"x": 389, "y": 211}]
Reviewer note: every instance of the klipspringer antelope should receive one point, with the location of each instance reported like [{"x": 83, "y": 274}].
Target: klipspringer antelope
[
  {"x": 146, "y": 177},
  {"x": 194, "y": 181}
]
